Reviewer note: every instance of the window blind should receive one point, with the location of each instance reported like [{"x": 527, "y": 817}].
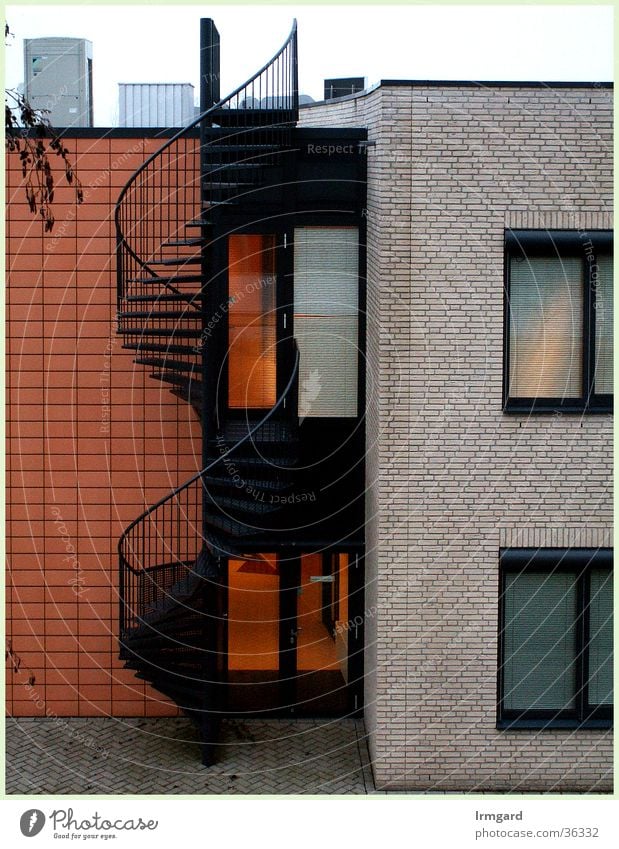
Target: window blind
[
  {"x": 326, "y": 302},
  {"x": 603, "y": 287},
  {"x": 601, "y": 638},
  {"x": 539, "y": 669},
  {"x": 546, "y": 327}
]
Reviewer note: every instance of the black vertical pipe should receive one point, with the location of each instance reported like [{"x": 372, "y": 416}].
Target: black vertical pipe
[
  {"x": 209, "y": 96},
  {"x": 209, "y": 64}
]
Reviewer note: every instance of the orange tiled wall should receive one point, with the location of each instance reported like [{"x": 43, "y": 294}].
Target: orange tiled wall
[{"x": 91, "y": 441}]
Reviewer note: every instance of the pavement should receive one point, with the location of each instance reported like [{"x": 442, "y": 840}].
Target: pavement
[{"x": 110, "y": 755}]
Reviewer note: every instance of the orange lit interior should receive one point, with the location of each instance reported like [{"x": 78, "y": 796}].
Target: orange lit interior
[
  {"x": 315, "y": 646},
  {"x": 253, "y": 615},
  {"x": 251, "y": 321}
]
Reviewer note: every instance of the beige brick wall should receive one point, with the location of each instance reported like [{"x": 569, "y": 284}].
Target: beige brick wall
[{"x": 450, "y": 478}]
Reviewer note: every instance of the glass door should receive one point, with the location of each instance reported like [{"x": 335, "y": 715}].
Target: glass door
[
  {"x": 253, "y": 634},
  {"x": 287, "y": 635},
  {"x": 321, "y": 680}
]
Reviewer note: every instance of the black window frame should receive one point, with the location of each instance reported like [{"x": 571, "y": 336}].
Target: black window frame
[
  {"x": 559, "y": 243},
  {"x": 579, "y": 562}
]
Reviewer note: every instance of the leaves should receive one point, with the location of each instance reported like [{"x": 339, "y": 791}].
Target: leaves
[{"x": 30, "y": 135}]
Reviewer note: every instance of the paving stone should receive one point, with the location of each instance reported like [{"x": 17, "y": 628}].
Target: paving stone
[{"x": 162, "y": 756}]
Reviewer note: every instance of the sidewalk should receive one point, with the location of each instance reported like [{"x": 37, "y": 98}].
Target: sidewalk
[{"x": 161, "y": 756}]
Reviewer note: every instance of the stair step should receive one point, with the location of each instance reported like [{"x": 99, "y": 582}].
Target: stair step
[
  {"x": 269, "y": 448},
  {"x": 258, "y": 465},
  {"x": 222, "y": 546},
  {"x": 241, "y": 148},
  {"x": 193, "y": 315},
  {"x": 208, "y": 207},
  {"x": 182, "y": 243},
  {"x": 266, "y": 119},
  {"x": 186, "y": 666},
  {"x": 231, "y": 526},
  {"x": 180, "y": 380},
  {"x": 178, "y": 260},
  {"x": 166, "y": 637},
  {"x": 156, "y": 657},
  {"x": 226, "y": 166},
  {"x": 179, "y": 332},
  {"x": 250, "y": 506},
  {"x": 176, "y": 365},
  {"x": 271, "y": 432},
  {"x": 224, "y": 482},
  {"x": 227, "y": 184},
  {"x": 174, "y": 278},
  {"x": 178, "y": 618},
  {"x": 153, "y": 346},
  {"x": 200, "y": 223},
  {"x": 189, "y": 298}
]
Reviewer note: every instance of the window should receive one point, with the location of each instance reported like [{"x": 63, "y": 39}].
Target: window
[
  {"x": 326, "y": 320},
  {"x": 252, "y": 321},
  {"x": 556, "y": 648},
  {"x": 558, "y": 322}
]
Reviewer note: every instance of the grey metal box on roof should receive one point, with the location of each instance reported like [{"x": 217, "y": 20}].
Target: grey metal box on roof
[
  {"x": 58, "y": 79},
  {"x": 155, "y": 104}
]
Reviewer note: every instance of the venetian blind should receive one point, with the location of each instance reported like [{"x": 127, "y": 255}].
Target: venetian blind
[
  {"x": 546, "y": 327},
  {"x": 539, "y": 668},
  {"x": 601, "y": 638},
  {"x": 604, "y": 326},
  {"x": 326, "y": 322}
]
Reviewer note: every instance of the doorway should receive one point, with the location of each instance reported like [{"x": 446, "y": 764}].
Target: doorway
[{"x": 288, "y": 635}]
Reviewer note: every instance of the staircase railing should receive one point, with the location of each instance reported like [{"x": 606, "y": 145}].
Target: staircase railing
[
  {"x": 165, "y": 192},
  {"x": 160, "y": 548}
]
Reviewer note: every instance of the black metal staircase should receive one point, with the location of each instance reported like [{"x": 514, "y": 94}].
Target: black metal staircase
[{"x": 169, "y": 216}]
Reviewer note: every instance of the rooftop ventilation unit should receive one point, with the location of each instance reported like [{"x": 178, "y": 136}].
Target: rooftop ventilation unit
[
  {"x": 155, "y": 104},
  {"x": 58, "y": 78}
]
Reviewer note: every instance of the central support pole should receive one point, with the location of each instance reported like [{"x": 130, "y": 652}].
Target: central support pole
[{"x": 211, "y": 568}]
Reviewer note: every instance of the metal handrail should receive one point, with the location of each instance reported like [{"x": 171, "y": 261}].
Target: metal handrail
[
  {"x": 153, "y": 203},
  {"x": 120, "y": 238},
  {"x": 175, "y": 492}
]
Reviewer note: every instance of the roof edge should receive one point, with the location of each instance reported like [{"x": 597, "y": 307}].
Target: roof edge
[{"x": 497, "y": 83}]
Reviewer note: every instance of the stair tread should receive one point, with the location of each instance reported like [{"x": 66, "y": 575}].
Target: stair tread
[
  {"x": 270, "y": 433},
  {"x": 154, "y": 362},
  {"x": 229, "y": 148},
  {"x": 227, "y": 184},
  {"x": 194, "y": 314},
  {"x": 173, "y": 278},
  {"x": 153, "y": 346},
  {"x": 179, "y": 379},
  {"x": 249, "y": 505},
  {"x": 257, "y": 483},
  {"x": 232, "y": 526},
  {"x": 188, "y": 298},
  {"x": 224, "y": 166},
  {"x": 181, "y": 332},
  {"x": 177, "y": 260},
  {"x": 272, "y": 461},
  {"x": 182, "y": 243}
]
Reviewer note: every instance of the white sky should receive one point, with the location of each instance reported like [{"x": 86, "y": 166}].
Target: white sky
[{"x": 160, "y": 43}]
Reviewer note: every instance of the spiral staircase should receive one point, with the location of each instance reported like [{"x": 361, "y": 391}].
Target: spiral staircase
[{"x": 170, "y": 217}]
